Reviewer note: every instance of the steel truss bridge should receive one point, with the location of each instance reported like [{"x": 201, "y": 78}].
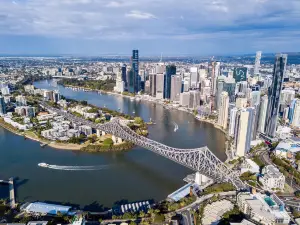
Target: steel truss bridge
[{"x": 198, "y": 159}]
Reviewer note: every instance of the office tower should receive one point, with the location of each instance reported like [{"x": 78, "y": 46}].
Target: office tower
[
  {"x": 152, "y": 79},
  {"x": 134, "y": 79},
  {"x": 56, "y": 96},
  {"x": 240, "y": 74},
  {"x": 242, "y": 87},
  {"x": 274, "y": 94},
  {"x": 232, "y": 121},
  {"x": 2, "y": 106},
  {"x": 170, "y": 70},
  {"x": 257, "y": 62},
  {"x": 262, "y": 114},
  {"x": 184, "y": 99},
  {"x": 241, "y": 103},
  {"x": 160, "y": 86},
  {"x": 48, "y": 95},
  {"x": 229, "y": 87},
  {"x": 296, "y": 114},
  {"x": 21, "y": 100},
  {"x": 194, "y": 77},
  {"x": 176, "y": 86},
  {"x": 254, "y": 98},
  {"x": 285, "y": 113},
  {"x": 147, "y": 87},
  {"x": 223, "y": 110},
  {"x": 186, "y": 84},
  {"x": 241, "y": 129},
  {"x": 214, "y": 75},
  {"x": 194, "y": 100},
  {"x": 202, "y": 73},
  {"x": 124, "y": 74}
]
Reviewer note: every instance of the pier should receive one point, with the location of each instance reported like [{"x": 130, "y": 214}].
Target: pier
[{"x": 12, "y": 199}]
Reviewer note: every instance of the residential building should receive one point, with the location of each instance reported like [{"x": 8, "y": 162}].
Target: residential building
[
  {"x": 232, "y": 121},
  {"x": 241, "y": 103},
  {"x": 184, "y": 99},
  {"x": 223, "y": 110},
  {"x": 87, "y": 130},
  {"x": 194, "y": 77},
  {"x": 21, "y": 100},
  {"x": 272, "y": 179},
  {"x": 254, "y": 98},
  {"x": 241, "y": 129},
  {"x": 257, "y": 62},
  {"x": 215, "y": 72},
  {"x": 263, "y": 209},
  {"x": 194, "y": 100},
  {"x": 296, "y": 114},
  {"x": 5, "y": 90},
  {"x": 274, "y": 94},
  {"x": 152, "y": 80},
  {"x": 262, "y": 114},
  {"x": 176, "y": 85},
  {"x": 25, "y": 111},
  {"x": 160, "y": 86},
  {"x": 249, "y": 166}
]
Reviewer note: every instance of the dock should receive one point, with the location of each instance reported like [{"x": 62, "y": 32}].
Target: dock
[{"x": 12, "y": 199}]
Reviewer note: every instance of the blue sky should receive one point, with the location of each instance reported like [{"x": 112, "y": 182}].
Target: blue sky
[{"x": 195, "y": 27}]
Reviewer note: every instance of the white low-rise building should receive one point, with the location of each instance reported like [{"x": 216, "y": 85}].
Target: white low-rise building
[
  {"x": 267, "y": 210},
  {"x": 272, "y": 179},
  {"x": 18, "y": 125},
  {"x": 87, "y": 130},
  {"x": 250, "y": 166}
]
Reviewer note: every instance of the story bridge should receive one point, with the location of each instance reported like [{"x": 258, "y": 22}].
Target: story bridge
[{"x": 198, "y": 159}]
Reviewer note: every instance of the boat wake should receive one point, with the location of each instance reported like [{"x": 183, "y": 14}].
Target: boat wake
[
  {"x": 73, "y": 168},
  {"x": 176, "y": 127}
]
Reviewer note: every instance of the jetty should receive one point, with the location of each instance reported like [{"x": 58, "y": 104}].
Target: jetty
[{"x": 12, "y": 199}]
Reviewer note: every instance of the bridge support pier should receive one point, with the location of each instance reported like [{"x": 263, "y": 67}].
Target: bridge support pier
[{"x": 200, "y": 179}]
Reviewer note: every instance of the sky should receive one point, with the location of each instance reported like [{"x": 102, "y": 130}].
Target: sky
[{"x": 170, "y": 27}]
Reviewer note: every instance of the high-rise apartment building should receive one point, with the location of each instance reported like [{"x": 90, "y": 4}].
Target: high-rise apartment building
[
  {"x": 176, "y": 85},
  {"x": 241, "y": 103},
  {"x": 194, "y": 101},
  {"x": 254, "y": 98},
  {"x": 21, "y": 100},
  {"x": 274, "y": 94},
  {"x": 296, "y": 114},
  {"x": 232, "y": 121},
  {"x": 223, "y": 110},
  {"x": 152, "y": 80},
  {"x": 250, "y": 127},
  {"x": 2, "y": 106},
  {"x": 257, "y": 62},
  {"x": 214, "y": 76},
  {"x": 184, "y": 99},
  {"x": 160, "y": 86},
  {"x": 170, "y": 70},
  {"x": 262, "y": 114},
  {"x": 194, "y": 77},
  {"x": 241, "y": 129}
]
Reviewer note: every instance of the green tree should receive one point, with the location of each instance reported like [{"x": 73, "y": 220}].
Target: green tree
[
  {"x": 132, "y": 223},
  {"x": 159, "y": 218},
  {"x": 138, "y": 120},
  {"x": 108, "y": 142},
  {"x": 298, "y": 156},
  {"x": 297, "y": 194}
]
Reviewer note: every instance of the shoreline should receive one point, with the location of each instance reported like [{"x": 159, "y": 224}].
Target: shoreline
[{"x": 141, "y": 98}]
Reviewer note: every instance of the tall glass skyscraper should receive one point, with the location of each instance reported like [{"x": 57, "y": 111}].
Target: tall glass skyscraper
[
  {"x": 274, "y": 94},
  {"x": 124, "y": 71},
  {"x": 170, "y": 70},
  {"x": 2, "y": 106},
  {"x": 134, "y": 80}
]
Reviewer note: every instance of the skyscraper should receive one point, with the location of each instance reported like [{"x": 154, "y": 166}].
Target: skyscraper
[
  {"x": 274, "y": 94},
  {"x": 296, "y": 115},
  {"x": 240, "y": 74},
  {"x": 134, "y": 79},
  {"x": 160, "y": 86},
  {"x": 152, "y": 79},
  {"x": 232, "y": 121},
  {"x": 291, "y": 111},
  {"x": 223, "y": 110},
  {"x": 262, "y": 114},
  {"x": 250, "y": 127},
  {"x": 176, "y": 83},
  {"x": 124, "y": 75},
  {"x": 2, "y": 106},
  {"x": 194, "y": 77},
  {"x": 257, "y": 62},
  {"x": 170, "y": 70},
  {"x": 241, "y": 129},
  {"x": 214, "y": 76}
]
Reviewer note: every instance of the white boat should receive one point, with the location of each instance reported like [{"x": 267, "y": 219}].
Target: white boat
[
  {"x": 132, "y": 99},
  {"x": 43, "y": 164}
]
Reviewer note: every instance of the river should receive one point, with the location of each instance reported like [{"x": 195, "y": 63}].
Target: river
[{"x": 133, "y": 175}]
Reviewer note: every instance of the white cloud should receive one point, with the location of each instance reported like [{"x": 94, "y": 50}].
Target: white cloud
[{"x": 140, "y": 15}]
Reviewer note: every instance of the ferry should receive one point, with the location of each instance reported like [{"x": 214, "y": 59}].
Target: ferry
[{"x": 43, "y": 164}]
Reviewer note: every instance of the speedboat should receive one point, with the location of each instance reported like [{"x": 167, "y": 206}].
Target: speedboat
[{"x": 43, "y": 164}]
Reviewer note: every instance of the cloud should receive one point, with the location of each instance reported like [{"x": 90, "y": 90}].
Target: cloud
[
  {"x": 139, "y": 15},
  {"x": 202, "y": 20}
]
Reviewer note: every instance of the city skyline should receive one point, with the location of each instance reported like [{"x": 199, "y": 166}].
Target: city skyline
[{"x": 86, "y": 27}]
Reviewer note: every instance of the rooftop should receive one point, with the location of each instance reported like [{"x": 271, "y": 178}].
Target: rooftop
[{"x": 45, "y": 208}]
